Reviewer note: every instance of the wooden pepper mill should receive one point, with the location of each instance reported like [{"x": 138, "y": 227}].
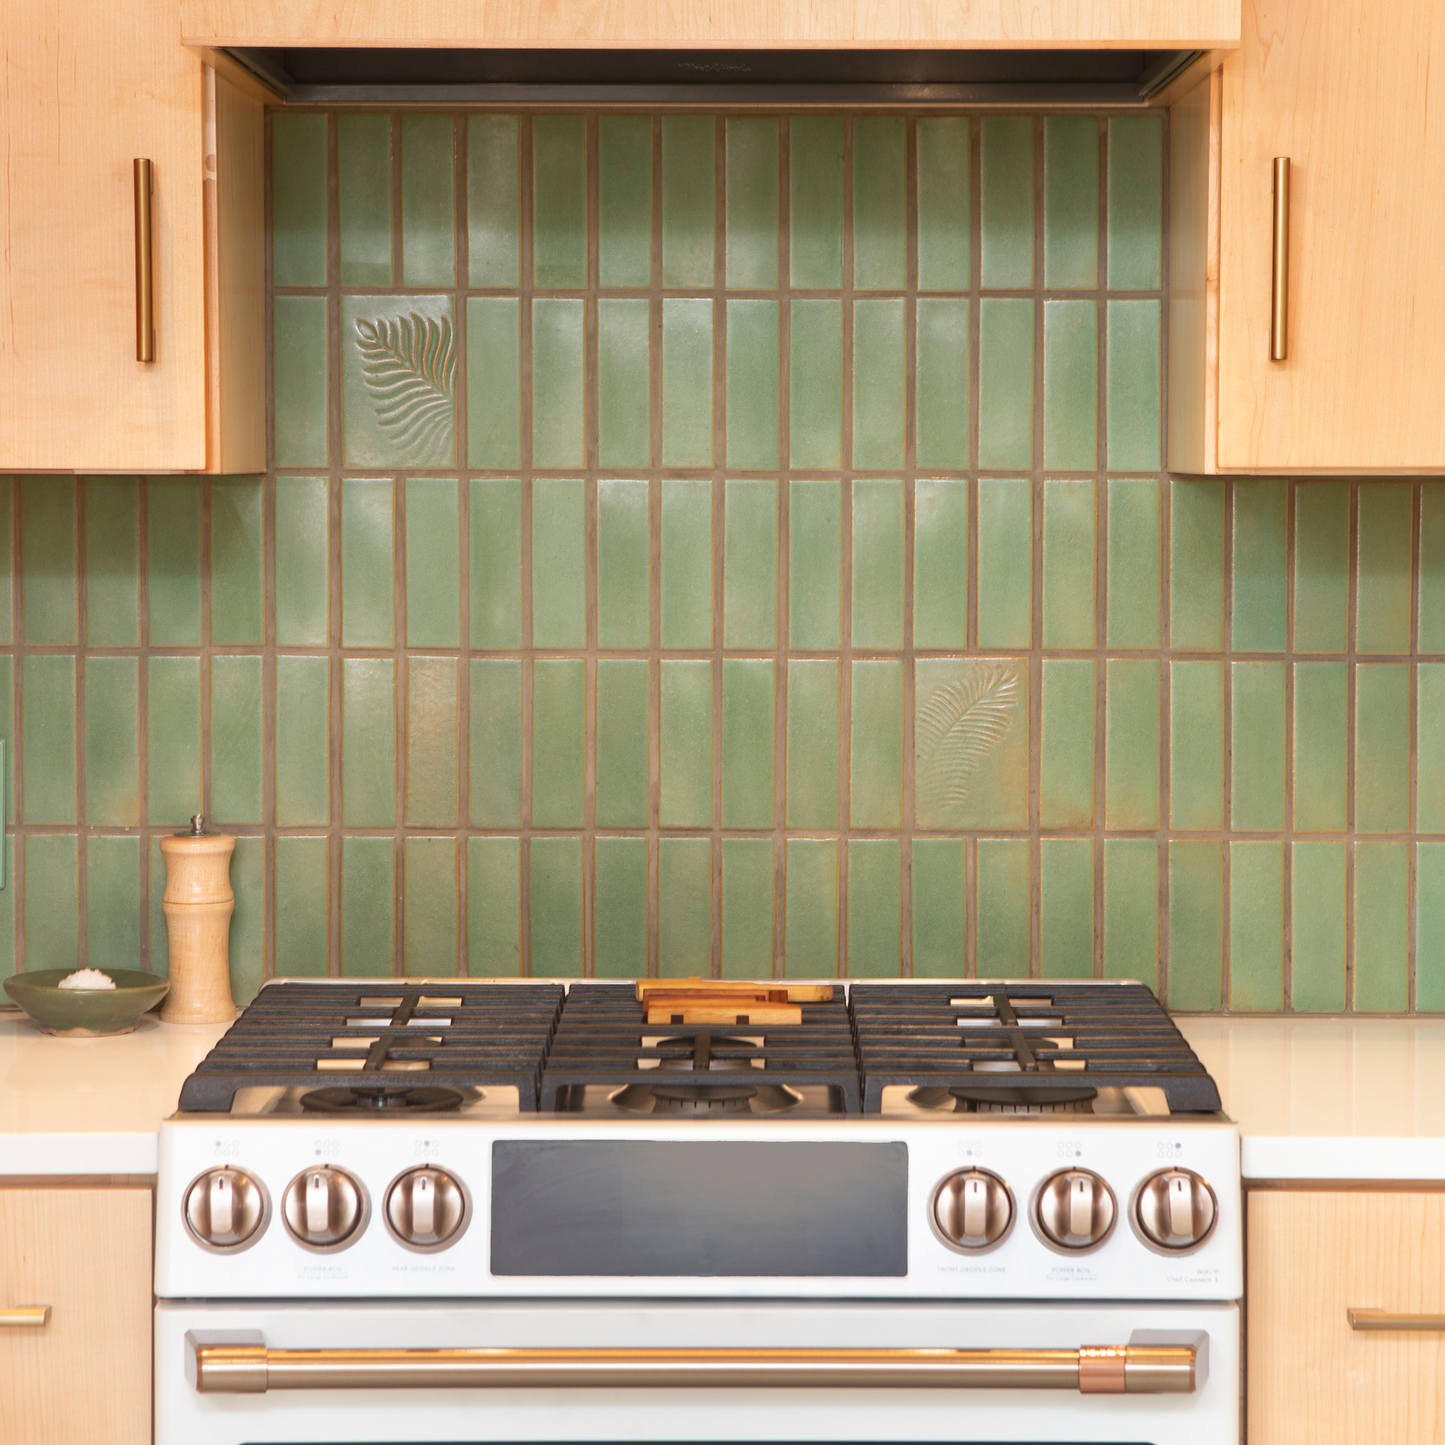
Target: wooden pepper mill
[{"x": 198, "y": 904}]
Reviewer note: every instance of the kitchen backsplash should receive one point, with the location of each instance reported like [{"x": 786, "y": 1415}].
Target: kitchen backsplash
[{"x": 738, "y": 546}]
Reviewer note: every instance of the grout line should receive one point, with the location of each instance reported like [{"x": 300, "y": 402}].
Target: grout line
[{"x": 461, "y": 262}]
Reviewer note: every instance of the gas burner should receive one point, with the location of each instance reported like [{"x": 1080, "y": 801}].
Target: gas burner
[
  {"x": 389, "y": 1102},
  {"x": 705, "y": 1099},
  {"x": 967, "y": 1100}
]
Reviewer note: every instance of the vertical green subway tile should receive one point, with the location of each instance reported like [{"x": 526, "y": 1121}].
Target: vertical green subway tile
[
  {"x": 432, "y": 704},
  {"x": 494, "y": 381},
  {"x": 944, "y": 165},
  {"x": 494, "y": 907},
  {"x": 174, "y": 573},
  {"x": 1258, "y": 725},
  {"x": 940, "y": 564},
  {"x": 1071, "y": 203},
  {"x": 301, "y": 883},
  {"x": 684, "y": 908},
  {"x": 1066, "y": 907},
  {"x": 368, "y": 907},
  {"x": 878, "y": 384},
  {"x": 1069, "y": 551},
  {"x": 1002, "y": 908},
  {"x": 1196, "y": 566},
  {"x": 624, "y": 200},
  {"x": 812, "y": 758},
  {"x": 815, "y": 384},
  {"x": 112, "y": 902},
  {"x": 368, "y": 742},
  {"x": 623, "y": 564},
  {"x": 112, "y": 741},
  {"x": 48, "y": 559},
  {"x": 752, "y": 206},
  {"x": 877, "y": 563},
  {"x": 559, "y": 711},
  {"x": 10, "y": 770},
  {"x": 688, "y": 189},
  {"x": 7, "y": 909},
  {"x": 748, "y": 907},
  {"x": 1196, "y": 745},
  {"x": 1133, "y": 367},
  {"x": 555, "y": 880},
  {"x": 303, "y": 699},
  {"x": 1382, "y": 748},
  {"x": 495, "y": 771},
  {"x": 880, "y": 240},
  {"x": 495, "y": 577},
  {"x": 237, "y": 570},
  {"x": 941, "y": 407},
  {"x": 300, "y": 381},
  {"x": 1382, "y": 598},
  {"x": 302, "y": 552},
  {"x": 875, "y": 939},
  {"x": 558, "y": 411},
  {"x": 1136, "y": 202},
  {"x": 686, "y": 564},
  {"x": 1196, "y": 923},
  {"x": 750, "y": 564},
  {"x": 1317, "y": 927},
  {"x": 810, "y": 948},
  {"x": 752, "y": 384},
  {"x": 1382, "y": 893},
  {"x": 1430, "y": 748},
  {"x": 429, "y": 927},
  {"x": 624, "y": 399},
  {"x": 298, "y": 199},
  {"x": 398, "y": 381},
  {"x": 1066, "y": 744},
  {"x": 559, "y": 206},
  {"x": 1131, "y": 909},
  {"x": 1007, "y": 202},
  {"x": 1006, "y": 384},
  {"x": 173, "y": 739},
  {"x": 815, "y": 209},
  {"x": 493, "y": 200},
  {"x": 112, "y": 561},
  {"x": 747, "y": 742},
  {"x": 367, "y": 525},
  {"x": 157, "y": 951},
  {"x": 619, "y": 910},
  {"x": 51, "y": 889},
  {"x": 939, "y": 908},
  {"x": 559, "y": 562},
  {"x": 685, "y": 799},
  {"x": 1321, "y": 566},
  {"x": 1131, "y": 743},
  {"x": 1071, "y": 385},
  {"x": 363, "y": 173},
  {"x": 236, "y": 732},
  {"x": 687, "y": 412},
  {"x": 1432, "y": 568},
  {"x": 1321, "y": 712},
  {"x": 428, "y": 207},
  {"x": 1005, "y": 562},
  {"x": 1133, "y": 563},
  {"x": 1256, "y": 926},
  {"x": 875, "y": 752},
  {"x": 433, "y": 575},
  {"x": 1259, "y": 583},
  {"x": 1430, "y": 926},
  {"x": 622, "y": 743},
  {"x": 814, "y": 564}
]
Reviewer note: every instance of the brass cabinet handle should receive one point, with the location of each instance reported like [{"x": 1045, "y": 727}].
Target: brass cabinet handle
[
  {"x": 1370, "y": 1319},
  {"x": 19, "y": 1316},
  {"x": 240, "y": 1364},
  {"x": 145, "y": 330},
  {"x": 1279, "y": 290}
]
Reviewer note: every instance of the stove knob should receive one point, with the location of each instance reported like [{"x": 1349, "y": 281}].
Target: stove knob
[
  {"x": 324, "y": 1207},
  {"x": 225, "y": 1208},
  {"x": 972, "y": 1209},
  {"x": 1175, "y": 1209},
  {"x": 1074, "y": 1209},
  {"x": 426, "y": 1208}
]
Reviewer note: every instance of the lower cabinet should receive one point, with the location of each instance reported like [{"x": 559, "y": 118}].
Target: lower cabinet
[
  {"x": 84, "y": 1375},
  {"x": 1313, "y": 1375}
]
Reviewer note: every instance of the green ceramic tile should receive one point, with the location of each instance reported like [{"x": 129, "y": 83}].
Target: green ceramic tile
[
  {"x": 1131, "y": 743},
  {"x": 301, "y": 879},
  {"x": 623, "y": 567},
  {"x": 300, "y": 381},
  {"x": 1260, "y": 586},
  {"x": 880, "y": 237},
  {"x": 173, "y": 737},
  {"x": 752, "y": 384},
  {"x": 432, "y": 705},
  {"x": 112, "y": 902},
  {"x": 1133, "y": 367},
  {"x": 815, "y": 385},
  {"x": 368, "y": 907},
  {"x": 367, "y": 524},
  {"x": 1321, "y": 711},
  {"x": 747, "y": 743},
  {"x": 298, "y": 199},
  {"x": 433, "y": 585},
  {"x": 940, "y": 564},
  {"x": 971, "y": 740},
  {"x": 1066, "y": 908},
  {"x": 1071, "y": 385},
  {"x": 493, "y": 200},
  {"x": 1006, "y": 200},
  {"x": 48, "y": 560},
  {"x": 495, "y": 577},
  {"x": 1256, "y": 767},
  {"x": 559, "y": 206},
  {"x": 939, "y": 908},
  {"x": 1317, "y": 927},
  {"x": 494, "y": 381},
  {"x": 1069, "y": 553},
  {"x": 303, "y": 701},
  {"x": 429, "y": 924},
  {"x": 1002, "y": 908},
  {"x": 1136, "y": 202},
  {"x": 752, "y": 210},
  {"x": 812, "y": 760},
  {"x": 814, "y": 564},
  {"x": 687, "y": 564},
  {"x": 236, "y": 732},
  {"x": 1430, "y": 748},
  {"x": 748, "y": 904},
  {"x": 686, "y": 745},
  {"x": 1196, "y": 923},
  {"x": 9, "y": 759},
  {"x": 559, "y": 562},
  {"x": 1321, "y": 566},
  {"x": 112, "y": 561},
  {"x": 624, "y": 388},
  {"x": 1256, "y": 926},
  {"x": 1006, "y": 384},
  {"x": 622, "y": 751},
  {"x": 874, "y": 908},
  {"x": 1382, "y": 892},
  {"x": 1133, "y": 563},
  {"x": 155, "y": 948},
  {"x": 941, "y": 407},
  {"x": 815, "y": 205},
  {"x": 1071, "y": 203},
  {"x": 1432, "y": 567},
  {"x": 619, "y": 909},
  {"x": 363, "y": 172},
  {"x": 878, "y": 526},
  {"x": 558, "y": 413},
  {"x": 112, "y": 741},
  {"x": 1430, "y": 926},
  {"x": 1005, "y": 562},
  {"x": 302, "y": 553},
  {"x": 428, "y": 206},
  {"x": 1131, "y": 909},
  {"x": 7, "y": 559},
  {"x": 879, "y": 404},
  {"x": 1196, "y": 566},
  {"x": 494, "y": 788},
  {"x": 944, "y": 147},
  {"x": 1382, "y": 598},
  {"x": 687, "y": 382},
  {"x": 1196, "y": 745},
  {"x": 750, "y": 564},
  {"x": 174, "y": 576},
  {"x": 810, "y": 947},
  {"x": 684, "y": 908},
  {"x": 237, "y": 570},
  {"x": 494, "y": 907},
  {"x": 624, "y": 200},
  {"x": 555, "y": 881},
  {"x": 51, "y": 890},
  {"x": 689, "y": 187},
  {"x": 1066, "y": 744},
  {"x": 559, "y": 711},
  {"x": 1382, "y": 748},
  {"x": 875, "y": 761}
]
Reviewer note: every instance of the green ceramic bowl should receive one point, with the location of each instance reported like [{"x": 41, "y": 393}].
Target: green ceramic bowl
[{"x": 86, "y": 1013}]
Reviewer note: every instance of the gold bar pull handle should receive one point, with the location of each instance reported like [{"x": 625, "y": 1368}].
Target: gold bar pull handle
[
  {"x": 22, "y": 1316},
  {"x": 1279, "y": 276},
  {"x": 145, "y": 330},
  {"x": 1371, "y": 1319}
]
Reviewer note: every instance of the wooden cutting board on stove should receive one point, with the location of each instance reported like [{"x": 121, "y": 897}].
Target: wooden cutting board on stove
[{"x": 726, "y": 1001}]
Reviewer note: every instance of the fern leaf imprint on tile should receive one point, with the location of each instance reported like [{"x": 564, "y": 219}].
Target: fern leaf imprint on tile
[
  {"x": 959, "y": 723},
  {"x": 409, "y": 365}
]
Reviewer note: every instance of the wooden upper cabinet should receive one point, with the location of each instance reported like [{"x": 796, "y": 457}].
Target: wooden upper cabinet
[{"x": 1341, "y": 87}]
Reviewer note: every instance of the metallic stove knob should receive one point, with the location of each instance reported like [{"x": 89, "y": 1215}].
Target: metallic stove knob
[
  {"x": 225, "y": 1209},
  {"x": 426, "y": 1208},
  {"x": 1074, "y": 1209},
  {"x": 324, "y": 1207},
  {"x": 1175, "y": 1209},
  {"x": 972, "y": 1209}
]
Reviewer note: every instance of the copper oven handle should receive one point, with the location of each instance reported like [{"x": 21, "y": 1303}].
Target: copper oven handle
[
  {"x": 1279, "y": 272},
  {"x": 240, "y": 1364},
  {"x": 1370, "y": 1319},
  {"x": 20, "y": 1316}
]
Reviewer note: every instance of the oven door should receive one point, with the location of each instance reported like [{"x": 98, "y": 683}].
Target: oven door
[{"x": 313, "y": 1374}]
